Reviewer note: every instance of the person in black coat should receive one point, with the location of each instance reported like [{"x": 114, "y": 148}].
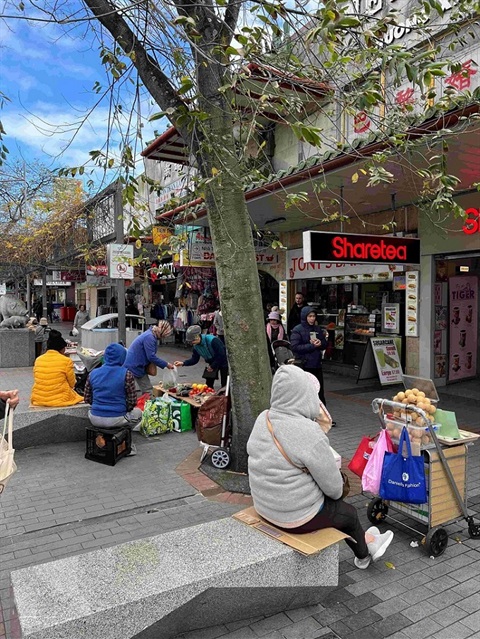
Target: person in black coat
[
  {"x": 294, "y": 318},
  {"x": 308, "y": 343}
]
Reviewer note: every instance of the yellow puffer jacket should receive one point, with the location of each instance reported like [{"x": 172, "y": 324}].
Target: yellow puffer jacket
[{"x": 53, "y": 381}]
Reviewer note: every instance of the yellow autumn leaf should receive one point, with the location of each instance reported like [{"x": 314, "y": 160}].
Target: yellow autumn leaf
[
  {"x": 388, "y": 564},
  {"x": 138, "y": 244},
  {"x": 355, "y": 178},
  {"x": 215, "y": 171}
]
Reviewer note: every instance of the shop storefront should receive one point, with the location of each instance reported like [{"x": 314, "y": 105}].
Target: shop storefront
[
  {"x": 451, "y": 280},
  {"x": 354, "y": 302}
]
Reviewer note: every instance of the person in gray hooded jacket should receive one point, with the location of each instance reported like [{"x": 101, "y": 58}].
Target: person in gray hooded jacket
[{"x": 286, "y": 495}]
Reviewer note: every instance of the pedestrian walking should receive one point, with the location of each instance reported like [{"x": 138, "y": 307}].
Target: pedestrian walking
[{"x": 294, "y": 317}]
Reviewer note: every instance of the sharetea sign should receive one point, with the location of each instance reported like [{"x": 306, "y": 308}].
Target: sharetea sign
[{"x": 319, "y": 246}]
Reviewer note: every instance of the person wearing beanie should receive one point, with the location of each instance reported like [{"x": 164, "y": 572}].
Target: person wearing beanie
[
  {"x": 294, "y": 479},
  {"x": 143, "y": 351},
  {"x": 54, "y": 376},
  {"x": 213, "y": 351},
  {"x": 275, "y": 331},
  {"x": 110, "y": 390}
]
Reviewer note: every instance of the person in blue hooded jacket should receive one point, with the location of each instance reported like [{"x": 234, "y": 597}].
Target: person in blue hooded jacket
[
  {"x": 111, "y": 392},
  {"x": 308, "y": 343},
  {"x": 143, "y": 351},
  {"x": 213, "y": 351}
]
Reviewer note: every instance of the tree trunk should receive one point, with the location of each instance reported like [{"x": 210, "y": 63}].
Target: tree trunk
[
  {"x": 228, "y": 217},
  {"x": 235, "y": 258}
]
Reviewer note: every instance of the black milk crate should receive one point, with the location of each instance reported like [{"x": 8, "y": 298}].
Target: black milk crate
[{"x": 107, "y": 446}]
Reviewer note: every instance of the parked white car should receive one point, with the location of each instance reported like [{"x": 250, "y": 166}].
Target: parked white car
[{"x": 101, "y": 331}]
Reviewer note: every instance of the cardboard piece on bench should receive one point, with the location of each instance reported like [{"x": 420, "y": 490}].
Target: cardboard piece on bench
[{"x": 306, "y": 543}]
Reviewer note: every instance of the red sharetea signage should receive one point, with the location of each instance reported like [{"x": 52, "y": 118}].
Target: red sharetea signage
[
  {"x": 472, "y": 223},
  {"x": 367, "y": 249}
]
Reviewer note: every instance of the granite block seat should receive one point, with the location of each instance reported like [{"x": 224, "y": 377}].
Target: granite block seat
[
  {"x": 49, "y": 425},
  {"x": 162, "y": 586}
]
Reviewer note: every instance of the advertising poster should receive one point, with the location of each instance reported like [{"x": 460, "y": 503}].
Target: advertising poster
[
  {"x": 463, "y": 327},
  {"x": 438, "y": 294},
  {"x": 441, "y": 319},
  {"x": 437, "y": 342},
  {"x": 391, "y": 318},
  {"x": 411, "y": 304},
  {"x": 387, "y": 360}
]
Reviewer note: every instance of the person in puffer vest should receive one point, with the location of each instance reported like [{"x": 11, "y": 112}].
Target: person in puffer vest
[
  {"x": 53, "y": 376},
  {"x": 213, "y": 351},
  {"x": 111, "y": 392}
]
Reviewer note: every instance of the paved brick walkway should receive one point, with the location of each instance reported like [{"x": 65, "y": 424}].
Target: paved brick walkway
[{"x": 60, "y": 504}]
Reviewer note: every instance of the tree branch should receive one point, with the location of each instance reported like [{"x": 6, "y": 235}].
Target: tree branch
[
  {"x": 230, "y": 21},
  {"x": 154, "y": 79}
]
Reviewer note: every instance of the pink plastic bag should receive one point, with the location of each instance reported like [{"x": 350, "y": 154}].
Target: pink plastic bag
[{"x": 373, "y": 470}]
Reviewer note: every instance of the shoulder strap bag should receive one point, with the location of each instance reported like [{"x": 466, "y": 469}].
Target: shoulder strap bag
[
  {"x": 7, "y": 465},
  {"x": 346, "y": 483}
]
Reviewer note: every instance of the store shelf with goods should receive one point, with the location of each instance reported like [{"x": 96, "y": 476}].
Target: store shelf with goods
[{"x": 328, "y": 321}]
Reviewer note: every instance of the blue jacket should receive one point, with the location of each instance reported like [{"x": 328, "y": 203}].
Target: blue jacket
[
  {"x": 141, "y": 352},
  {"x": 212, "y": 350},
  {"x": 108, "y": 384},
  {"x": 300, "y": 341}
]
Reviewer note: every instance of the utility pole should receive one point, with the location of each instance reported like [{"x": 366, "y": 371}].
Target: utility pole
[{"x": 118, "y": 227}]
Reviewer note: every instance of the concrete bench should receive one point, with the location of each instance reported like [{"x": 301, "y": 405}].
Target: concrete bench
[
  {"x": 48, "y": 425},
  {"x": 162, "y": 586}
]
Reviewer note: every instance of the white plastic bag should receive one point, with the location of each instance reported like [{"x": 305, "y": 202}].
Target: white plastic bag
[
  {"x": 170, "y": 378},
  {"x": 74, "y": 332}
]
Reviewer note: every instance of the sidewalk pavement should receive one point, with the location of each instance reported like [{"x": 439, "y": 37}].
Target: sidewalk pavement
[{"x": 59, "y": 504}]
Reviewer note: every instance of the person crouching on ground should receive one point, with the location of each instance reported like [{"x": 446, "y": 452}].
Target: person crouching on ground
[
  {"x": 54, "y": 376},
  {"x": 303, "y": 494},
  {"x": 212, "y": 350},
  {"x": 111, "y": 392},
  {"x": 143, "y": 351}
]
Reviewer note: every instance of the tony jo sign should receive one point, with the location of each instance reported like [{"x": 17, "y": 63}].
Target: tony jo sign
[{"x": 365, "y": 249}]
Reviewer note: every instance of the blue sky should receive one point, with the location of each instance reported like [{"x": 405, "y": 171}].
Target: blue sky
[{"x": 47, "y": 72}]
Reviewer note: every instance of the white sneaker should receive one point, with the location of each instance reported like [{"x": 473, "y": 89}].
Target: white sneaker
[
  {"x": 363, "y": 564},
  {"x": 373, "y": 530},
  {"x": 378, "y": 547}
]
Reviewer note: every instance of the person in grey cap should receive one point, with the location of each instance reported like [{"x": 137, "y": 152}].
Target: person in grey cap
[{"x": 212, "y": 350}]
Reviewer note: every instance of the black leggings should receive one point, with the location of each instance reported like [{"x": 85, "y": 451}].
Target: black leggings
[
  {"x": 318, "y": 373},
  {"x": 337, "y": 514},
  {"x": 223, "y": 378}
]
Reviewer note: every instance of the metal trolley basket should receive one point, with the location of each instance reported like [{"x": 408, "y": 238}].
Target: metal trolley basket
[{"x": 446, "y": 475}]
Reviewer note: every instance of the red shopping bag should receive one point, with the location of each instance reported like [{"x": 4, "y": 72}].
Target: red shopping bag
[
  {"x": 141, "y": 401},
  {"x": 362, "y": 454}
]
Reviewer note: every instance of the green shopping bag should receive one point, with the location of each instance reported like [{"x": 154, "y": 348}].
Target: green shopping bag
[
  {"x": 157, "y": 416},
  {"x": 181, "y": 416}
]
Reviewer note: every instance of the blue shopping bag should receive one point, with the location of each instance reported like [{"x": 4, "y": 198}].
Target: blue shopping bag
[{"x": 403, "y": 478}]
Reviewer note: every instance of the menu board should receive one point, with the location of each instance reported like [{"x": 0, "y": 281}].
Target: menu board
[
  {"x": 387, "y": 360},
  {"x": 463, "y": 326},
  {"x": 391, "y": 318},
  {"x": 411, "y": 304}
]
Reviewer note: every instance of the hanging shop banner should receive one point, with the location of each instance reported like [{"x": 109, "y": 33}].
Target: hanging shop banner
[
  {"x": 161, "y": 235},
  {"x": 319, "y": 246},
  {"x": 200, "y": 254},
  {"x": 337, "y": 272},
  {"x": 120, "y": 261},
  {"x": 463, "y": 323},
  {"x": 387, "y": 360},
  {"x": 282, "y": 300}
]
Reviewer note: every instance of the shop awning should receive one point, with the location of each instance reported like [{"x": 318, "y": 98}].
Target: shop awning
[{"x": 338, "y": 174}]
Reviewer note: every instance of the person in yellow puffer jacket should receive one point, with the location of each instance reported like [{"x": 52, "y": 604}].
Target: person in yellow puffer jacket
[{"x": 53, "y": 376}]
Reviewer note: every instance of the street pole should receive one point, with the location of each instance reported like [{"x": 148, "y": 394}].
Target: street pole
[
  {"x": 29, "y": 296},
  {"x": 44, "y": 292},
  {"x": 119, "y": 237}
]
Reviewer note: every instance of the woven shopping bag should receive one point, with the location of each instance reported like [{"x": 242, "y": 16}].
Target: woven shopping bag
[{"x": 7, "y": 464}]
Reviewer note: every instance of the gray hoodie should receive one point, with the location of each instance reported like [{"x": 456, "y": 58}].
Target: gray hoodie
[{"x": 282, "y": 493}]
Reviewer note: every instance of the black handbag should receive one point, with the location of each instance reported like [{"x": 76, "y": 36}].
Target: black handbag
[{"x": 210, "y": 374}]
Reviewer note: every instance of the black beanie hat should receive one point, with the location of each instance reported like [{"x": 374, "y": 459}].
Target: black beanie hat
[{"x": 55, "y": 341}]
